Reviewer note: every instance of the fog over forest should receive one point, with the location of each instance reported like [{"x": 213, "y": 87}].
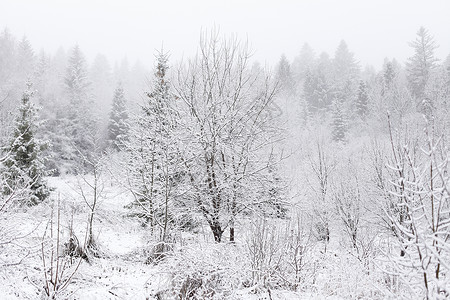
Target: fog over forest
[{"x": 224, "y": 150}]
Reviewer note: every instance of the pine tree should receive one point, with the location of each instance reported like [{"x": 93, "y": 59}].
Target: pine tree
[
  {"x": 362, "y": 103},
  {"x": 25, "y": 164},
  {"x": 422, "y": 63},
  {"x": 118, "y": 126}
]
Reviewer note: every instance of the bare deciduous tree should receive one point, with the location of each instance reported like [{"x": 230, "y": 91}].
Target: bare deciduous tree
[
  {"x": 58, "y": 266},
  {"x": 323, "y": 166},
  {"x": 420, "y": 214},
  {"x": 229, "y": 124}
]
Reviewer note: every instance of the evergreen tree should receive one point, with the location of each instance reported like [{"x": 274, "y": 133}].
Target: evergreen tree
[
  {"x": 81, "y": 123},
  {"x": 316, "y": 91},
  {"x": 7, "y": 56},
  {"x": 389, "y": 75},
  {"x": 422, "y": 63},
  {"x": 118, "y": 126},
  {"x": 153, "y": 154},
  {"x": 57, "y": 73},
  {"x": 339, "y": 129},
  {"x": 273, "y": 192},
  {"x": 285, "y": 78},
  {"x": 24, "y": 165},
  {"x": 344, "y": 64},
  {"x": 76, "y": 80},
  {"x": 309, "y": 87},
  {"x": 447, "y": 65},
  {"x": 41, "y": 73},
  {"x": 304, "y": 61},
  {"x": 362, "y": 103},
  {"x": 25, "y": 61},
  {"x": 345, "y": 74},
  {"x": 102, "y": 85}
]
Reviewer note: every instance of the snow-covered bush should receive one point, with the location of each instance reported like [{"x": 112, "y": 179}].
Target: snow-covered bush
[
  {"x": 207, "y": 271},
  {"x": 279, "y": 255},
  {"x": 60, "y": 260}
]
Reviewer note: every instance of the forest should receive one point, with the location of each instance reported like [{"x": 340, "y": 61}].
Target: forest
[{"x": 217, "y": 177}]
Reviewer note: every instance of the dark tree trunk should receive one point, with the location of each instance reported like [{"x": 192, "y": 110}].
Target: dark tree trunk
[
  {"x": 217, "y": 231},
  {"x": 232, "y": 233}
]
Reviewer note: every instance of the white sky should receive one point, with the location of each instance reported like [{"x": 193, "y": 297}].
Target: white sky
[{"x": 373, "y": 29}]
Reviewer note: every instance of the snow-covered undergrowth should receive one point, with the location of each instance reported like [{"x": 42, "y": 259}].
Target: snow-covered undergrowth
[{"x": 269, "y": 260}]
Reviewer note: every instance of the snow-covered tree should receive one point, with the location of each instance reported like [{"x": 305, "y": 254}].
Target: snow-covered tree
[
  {"x": 228, "y": 121},
  {"x": 322, "y": 166},
  {"x": 362, "y": 102},
  {"x": 7, "y": 55},
  {"x": 41, "y": 74},
  {"x": 118, "y": 118},
  {"x": 339, "y": 127},
  {"x": 100, "y": 76},
  {"x": 26, "y": 60},
  {"x": 418, "y": 200},
  {"x": 154, "y": 163},
  {"x": 81, "y": 122},
  {"x": 389, "y": 76},
  {"x": 7, "y": 71},
  {"x": 345, "y": 73},
  {"x": 284, "y": 75},
  {"x": 24, "y": 166},
  {"x": 76, "y": 80},
  {"x": 316, "y": 91},
  {"x": 422, "y": 63},
  {"x": 304, "y": 61}
]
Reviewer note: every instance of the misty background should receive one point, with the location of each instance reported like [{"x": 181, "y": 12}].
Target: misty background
[{"x": 372, "y": 29}]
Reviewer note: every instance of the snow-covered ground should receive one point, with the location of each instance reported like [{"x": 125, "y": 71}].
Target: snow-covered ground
[{"x": 121, "y": 272}]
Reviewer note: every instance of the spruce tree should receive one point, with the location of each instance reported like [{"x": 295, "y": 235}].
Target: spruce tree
[
  {"x": 24, "y": 166},
  {"x": 345, "y": 74},
  {"x": 118, "y": 126},
  {"x": 284, "y": 75},
  {"x": 422, "y": 63},
  {"x": 362, "y": 103},
  {"x": 316, "y": 91},
  {"x": 81, "y": 124},
  {"x": 76, "y": 80},
  {"x": 309, "y": 89},
  {"x": 25, "y": 60},
  {"x": 304, "y": 61},
  {"x": 153, "y": 153},
  {"x": 389, "y": 75},
  {"x": 339, "y": 129}
]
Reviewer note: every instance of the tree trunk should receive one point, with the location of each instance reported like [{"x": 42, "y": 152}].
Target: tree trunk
[
  {"x": 217, "y": 232},
  {"x": 232, "y": 233}
]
